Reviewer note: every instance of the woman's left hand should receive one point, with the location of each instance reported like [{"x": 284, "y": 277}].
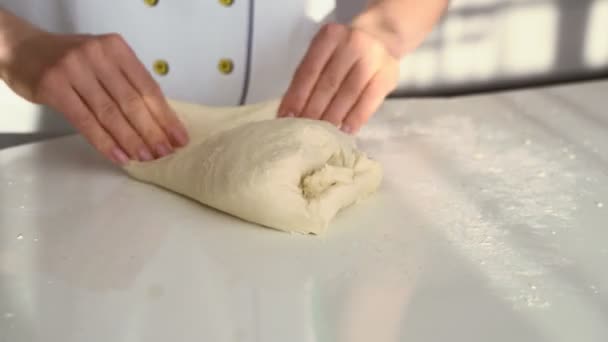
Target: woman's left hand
[{"x": 343, "y": 78}]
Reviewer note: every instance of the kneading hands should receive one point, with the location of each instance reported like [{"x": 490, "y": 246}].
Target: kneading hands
[
  {"x": 349, "y": 69},
  {"x": 105, "y": 92},
  {"x": 343, "y": 78}
]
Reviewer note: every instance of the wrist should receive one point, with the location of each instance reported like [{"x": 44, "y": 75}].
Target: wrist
[
  {"x": 13, "y": 32},
  {"x": 384, "y": 29},
  {"x": 402, "y": 25}
]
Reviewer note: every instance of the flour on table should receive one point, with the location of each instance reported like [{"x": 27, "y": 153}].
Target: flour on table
[
  {"x": 523, "y": 191},
  {"x": 291, "y": 174}
]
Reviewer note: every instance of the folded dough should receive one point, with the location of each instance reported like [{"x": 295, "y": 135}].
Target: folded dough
[{"x": 291, "y": 174}]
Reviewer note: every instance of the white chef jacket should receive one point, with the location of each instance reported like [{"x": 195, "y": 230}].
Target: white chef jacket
[{"x": 216, "y": 52}]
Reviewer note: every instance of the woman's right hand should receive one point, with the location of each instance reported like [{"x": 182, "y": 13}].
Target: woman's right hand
[{"x": 101, "y": 87}]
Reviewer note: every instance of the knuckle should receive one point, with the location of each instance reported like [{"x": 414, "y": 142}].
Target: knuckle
[
  {"x": 91, "y": 47},
  {"x": 306, "y": 70},
  {"x": 365, "y": 68},
  {"x": 49, "y": 84},
  {"x": 122, "y": 134},
  {"x": 332, "y": 30},
  {"x": 329, "y": 82},
  {"x": 313, "y": 111},
  {"x": 153, "y": 132},
  {"x": 316, "y": 108},
  {"x": 381, "y": 50},
  {"x": 112, "y": 39},
  {"x": 297, "y": 101},
  {"x": 152, "y": 88},
  {"x": 107, "y": 112},
  {"x": 378, "y": 50},
  {"x": 70, "y": 58},
  {"x": 357, "y": 82},
  {"x": 50, "y": 78},
  {"x": 151, "y": 135},
  {"x": 166, "y": 119},
  {"x": 358, "y": 41},
  {"x": 380, "y": 87},
  {"x": 132, "y": 103},
  {"x": 362, "y": 75},
  {"x": 352, "y": 89}
]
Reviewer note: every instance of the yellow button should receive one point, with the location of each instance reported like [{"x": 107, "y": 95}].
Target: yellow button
[
  {"x": 226, "y": 3},
  {"x": 225, "y": 66},
  {"x": 151, "y": 3},
  {"x": 161, "y": 67}
]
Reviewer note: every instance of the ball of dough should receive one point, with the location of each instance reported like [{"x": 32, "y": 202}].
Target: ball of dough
[{"x": 291, "y": 174}]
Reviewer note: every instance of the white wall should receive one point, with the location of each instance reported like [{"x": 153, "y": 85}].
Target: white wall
[{"x": 487, "y": 43}]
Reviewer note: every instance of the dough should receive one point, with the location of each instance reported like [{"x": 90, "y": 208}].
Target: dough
[{"x": 291, "y": 174}]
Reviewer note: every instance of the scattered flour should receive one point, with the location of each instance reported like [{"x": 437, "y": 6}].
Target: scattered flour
[{"x": 500, "y": 199}]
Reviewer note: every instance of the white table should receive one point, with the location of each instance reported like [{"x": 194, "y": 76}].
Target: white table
[{"x": 490, "y": 225}]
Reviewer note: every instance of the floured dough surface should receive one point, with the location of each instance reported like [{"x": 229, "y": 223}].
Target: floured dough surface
[{"x": 290, "y": 174}]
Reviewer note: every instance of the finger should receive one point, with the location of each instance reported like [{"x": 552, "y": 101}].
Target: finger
[
  {"x": 369, "y": 101},
  {"x": 78, "y": 114},
  {"x": 129, "y": 101},
  {"x": 332, "y": 77},
  {"x": 350, "y": 91},
  {"x": 142, "y": 81},
  {"x": 104, "y": 108},
  {"x": 319, "y": 52}
]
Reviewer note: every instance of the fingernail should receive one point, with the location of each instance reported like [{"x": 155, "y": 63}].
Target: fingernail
[
  {"x": 180, "y": 136},
  {"x": 119, "y": 156},
  {"x": 163, "y": 150},
  {"x": 144, "y": 154},
  {"x": 346, "y": 129}
]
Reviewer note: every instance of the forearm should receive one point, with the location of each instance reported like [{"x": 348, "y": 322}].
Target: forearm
[
  {"x": 401, "y": 24},
  {"x": 13, "y": 30}
]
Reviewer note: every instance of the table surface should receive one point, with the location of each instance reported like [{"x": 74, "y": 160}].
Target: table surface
[{"x": 490, "y": 225}]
